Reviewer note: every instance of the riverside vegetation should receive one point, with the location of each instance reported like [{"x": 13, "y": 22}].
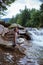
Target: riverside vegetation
[{"x": 29, "y": 18}]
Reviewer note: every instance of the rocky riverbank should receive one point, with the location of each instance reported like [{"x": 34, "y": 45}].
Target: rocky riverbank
[
  {"x": 7, "y": 35},
  {"x": 26, "y": 53}
]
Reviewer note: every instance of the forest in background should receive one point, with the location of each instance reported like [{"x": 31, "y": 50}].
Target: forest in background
[
  {"x": 26, "y": 17},
  {"x": 29, "y": 18}
]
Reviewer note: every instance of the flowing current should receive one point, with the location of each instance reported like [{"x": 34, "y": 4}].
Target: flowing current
[
  {"x": 33, "y": 51},
  {"x": 36, "y": 35}
]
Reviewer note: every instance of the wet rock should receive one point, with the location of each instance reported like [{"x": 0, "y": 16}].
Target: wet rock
[{"x": 24, "y": 34}]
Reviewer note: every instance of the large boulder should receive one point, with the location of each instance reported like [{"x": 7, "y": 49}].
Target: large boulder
[
  {"x": 5, "y": 43},
  {"x": 16, "y": 25}
]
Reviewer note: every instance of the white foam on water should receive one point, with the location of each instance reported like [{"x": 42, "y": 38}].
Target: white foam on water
[{"x": 36, "y": 36}]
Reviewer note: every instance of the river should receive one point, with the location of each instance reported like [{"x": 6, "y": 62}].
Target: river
[{"x": 33, "y": 54}]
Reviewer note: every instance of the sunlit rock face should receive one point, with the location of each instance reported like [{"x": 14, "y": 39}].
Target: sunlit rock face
[
  {"x": 4, "y": 42},
  {"x": 4, "y": 30}
]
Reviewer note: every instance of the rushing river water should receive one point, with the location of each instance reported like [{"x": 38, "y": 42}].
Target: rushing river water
[{"x": 33, "y": 53}]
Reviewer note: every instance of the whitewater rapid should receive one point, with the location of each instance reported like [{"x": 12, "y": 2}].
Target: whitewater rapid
[{"x": 36, "y": 35}]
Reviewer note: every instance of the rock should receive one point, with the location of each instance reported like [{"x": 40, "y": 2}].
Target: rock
[
  {"x": 16, "y": 25},
  {"x": 20, "y": 40},
  {"x": 9, "y": 35},
  {"x": 22, "y": 32},
  {"x": 1, "y": 29},
  {"x": 5, "y": 30},
  {"x": 6, "y": 43}
]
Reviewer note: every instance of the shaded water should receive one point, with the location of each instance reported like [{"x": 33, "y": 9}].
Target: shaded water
[{"x": 33, "y": 53}]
